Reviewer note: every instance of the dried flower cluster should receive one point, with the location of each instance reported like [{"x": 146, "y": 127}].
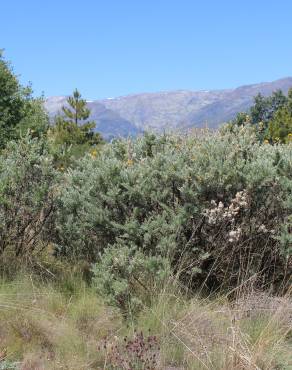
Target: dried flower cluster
[
  {"x": 139, "y": 353},
  {"x": 263, "y": 229},
  {"x": 219, "y": 212},
  {"x": 234, "y": 235}
]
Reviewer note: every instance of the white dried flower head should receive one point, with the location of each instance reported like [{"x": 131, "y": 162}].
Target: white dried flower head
[
  {"x": 262, "y": 228},
  {"x": 235, "y": 234},
  {"x": 238, "y": 195}
]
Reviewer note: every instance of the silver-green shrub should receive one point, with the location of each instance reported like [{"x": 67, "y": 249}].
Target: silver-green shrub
[
  {"x": 214, "y": 205},
  {"x": 27, "y": 193},
  {"x": 128, "y": 279}
]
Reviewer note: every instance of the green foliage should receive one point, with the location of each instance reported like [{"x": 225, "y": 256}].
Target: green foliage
[
  {"x": 262, "y": 112},
  {"x": 78, "y": 110},
  {"x": 19, "y": 111},
  {"x": 280, "y": 127},
  {"x": 70, "y": 137},
  {"x": 241, "y": 119},
  {"x": 27, "y": 180},
  {"x": 127, "y": 278},
  {"x": 162, "y": 202},
  {"x": 264, "y": 108},
  {"x": 272, "y": 117},
  {"x": 285, "y": 237}
]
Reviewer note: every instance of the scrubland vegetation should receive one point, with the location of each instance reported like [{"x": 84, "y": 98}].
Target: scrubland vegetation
[{"x": 160, "y": 252}]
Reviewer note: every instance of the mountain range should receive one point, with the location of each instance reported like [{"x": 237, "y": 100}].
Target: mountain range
[{"x": 170, "y": 110}]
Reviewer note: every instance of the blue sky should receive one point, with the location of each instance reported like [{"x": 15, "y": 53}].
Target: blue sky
[{"x": 119, "y": 47}]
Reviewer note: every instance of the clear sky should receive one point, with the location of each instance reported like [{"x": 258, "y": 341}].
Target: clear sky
[{"x": 118, "y": 47}]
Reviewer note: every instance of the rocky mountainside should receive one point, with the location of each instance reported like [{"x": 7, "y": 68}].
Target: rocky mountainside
[{"x": 171, "y": 110}]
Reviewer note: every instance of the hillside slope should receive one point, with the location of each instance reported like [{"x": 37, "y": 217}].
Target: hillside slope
[{"x": 172, "y": 110}]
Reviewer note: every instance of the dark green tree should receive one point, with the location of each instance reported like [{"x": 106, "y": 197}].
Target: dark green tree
[
  {"x": 73, "y": 134},
  {"x": 261, "y": 113},
  {"x": 77, "y": 110},
  {"x": 19, "y": 111},
  {"x": 280, "y": 126},
  {"x": 264, "y": 108},
  {"x": 75, "y": 122}
]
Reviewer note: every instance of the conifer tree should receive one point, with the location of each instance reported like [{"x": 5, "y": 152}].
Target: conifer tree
[
  {"x": 73, "y": 134},
  {"x": 77, "y": 110},
  {"x": 75, "y": 121}
]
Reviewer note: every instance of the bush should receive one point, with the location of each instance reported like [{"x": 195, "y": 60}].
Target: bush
[
  {"x": 127, "y": 278},
  {"x": 157, "y": 195},
  {"x": 27, "y": 186}
]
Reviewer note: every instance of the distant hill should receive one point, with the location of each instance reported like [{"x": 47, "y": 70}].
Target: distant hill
[{"x": 171, "y": 110}]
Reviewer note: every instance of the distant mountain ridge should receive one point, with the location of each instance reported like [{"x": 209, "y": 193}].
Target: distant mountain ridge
[{"x": 170, "y": 110}]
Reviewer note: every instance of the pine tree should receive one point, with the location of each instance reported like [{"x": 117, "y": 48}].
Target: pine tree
[
  {"x": 79, "y": 111},
  {"x": 73, "y": 134},
  {"x": 75, "y": 121},
  {"x": 73, "y": 127}
]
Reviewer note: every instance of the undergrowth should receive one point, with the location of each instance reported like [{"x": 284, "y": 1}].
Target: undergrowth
[{"x": 47, "y": 326}]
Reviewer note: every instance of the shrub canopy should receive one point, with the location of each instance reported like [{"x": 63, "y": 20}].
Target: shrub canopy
[{"x": 216, "y": 205}]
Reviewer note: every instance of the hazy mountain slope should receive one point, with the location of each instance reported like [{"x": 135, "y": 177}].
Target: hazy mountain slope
[
  {"x": 108, "y": 122},
  {"x": 233, "y": 101},
  {"x": 162, "y": 110},
  {"x": 129, "y": 115}
]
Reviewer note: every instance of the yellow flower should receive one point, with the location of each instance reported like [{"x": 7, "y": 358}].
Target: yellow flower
[
  {"x": 290, "y": 134},
  {"x": 266, "y": 141},
  {"x": 130, "y": 162},
  {"x": 93, "y": 153}
]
